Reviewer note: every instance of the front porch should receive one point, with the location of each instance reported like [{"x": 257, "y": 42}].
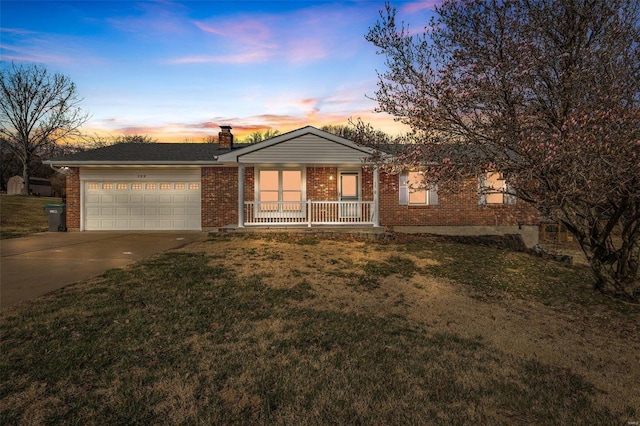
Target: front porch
[{"x": 309, "y": 213}]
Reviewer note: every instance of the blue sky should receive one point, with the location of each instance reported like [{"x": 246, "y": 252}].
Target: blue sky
[{"x": 177, "y": 70}]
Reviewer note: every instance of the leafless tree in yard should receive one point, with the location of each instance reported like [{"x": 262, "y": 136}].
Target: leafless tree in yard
[
  {"x": 545, "y": 92},
  {"x": 37, "y": 109}
]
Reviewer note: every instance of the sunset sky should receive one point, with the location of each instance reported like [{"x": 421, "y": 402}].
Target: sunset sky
[{"x": 177, "y": 70}]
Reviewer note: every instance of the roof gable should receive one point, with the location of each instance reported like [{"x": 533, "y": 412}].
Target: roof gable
[{"x": 305, "y": 145}]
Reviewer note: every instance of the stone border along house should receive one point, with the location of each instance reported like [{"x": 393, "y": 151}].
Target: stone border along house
[{"x": 304, "y": 178}]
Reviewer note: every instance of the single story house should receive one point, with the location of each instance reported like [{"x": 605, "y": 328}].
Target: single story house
[{"x": 306, "y": 177}]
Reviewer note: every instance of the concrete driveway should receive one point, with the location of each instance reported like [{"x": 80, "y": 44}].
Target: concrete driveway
[{"x": 39, "y": 264}]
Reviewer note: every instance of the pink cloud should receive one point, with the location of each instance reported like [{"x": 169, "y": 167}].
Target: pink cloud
[
  {"x": 309, "y": 101},
  {"x": 414, "y": 7},
  {"x": 299, "y": 37},
  {"x": 249, "y": 41},
  {"x": 240, "y": 58},
  {"x": 160, "y": 17},
  {"x": 243, "y": 126},
  {"x": 305, "y": 49},
  {"x": 33, "y": 55},
  {"x": 250, "y": 32},
  {"x": 16, "y": 31}
]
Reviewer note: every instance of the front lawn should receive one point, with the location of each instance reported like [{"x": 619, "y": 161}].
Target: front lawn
[
  {"x": 22, "y": 215},
  {"x": 283, "y": 330}
]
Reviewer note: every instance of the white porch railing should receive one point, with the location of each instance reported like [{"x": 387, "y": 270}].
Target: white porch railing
[{"x": 309, "y": 213}]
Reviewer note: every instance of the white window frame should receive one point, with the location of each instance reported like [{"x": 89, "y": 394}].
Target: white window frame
[
  {"x": 484, "y": 190},
  {"x": 280, "y": 212},
  {"x": 431, "y": 194}
]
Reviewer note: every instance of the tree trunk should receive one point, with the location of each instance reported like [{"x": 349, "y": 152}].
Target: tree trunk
[
  {"x": 25, "y": 177},
  {"x": 617, "y": 272}
]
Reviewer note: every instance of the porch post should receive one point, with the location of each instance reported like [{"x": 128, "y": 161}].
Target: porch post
[
  {"x": 376, "y": 196},
  {"x": 240, "y": 195}
]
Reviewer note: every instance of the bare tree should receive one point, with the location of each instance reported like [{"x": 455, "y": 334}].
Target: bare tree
[
  {"x": 261, "y": 136},
  {"x": 270, "y": 133},
  {"x": 360, "y": 132},
  {"x": 134, "y": 139},
  {"x": 99, "y": 141},
  {"x": 210, "y": 139},
  {"x": 37, "y": 109},
  {"x": 545, "y": 92}
]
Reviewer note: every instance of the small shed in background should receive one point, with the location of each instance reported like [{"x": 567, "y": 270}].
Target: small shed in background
[{"x": 37, "y": 186}]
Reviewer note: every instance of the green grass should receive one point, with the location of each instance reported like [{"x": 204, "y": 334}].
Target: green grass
[
  {"x": 22, "y": 215},
  {"x": 183, "y": 338},
  {"x": 494, "y": 272}
]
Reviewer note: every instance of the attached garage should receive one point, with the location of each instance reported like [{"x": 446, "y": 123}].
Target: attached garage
[
  {"x": 140, "y": 199},
  {"x": 140, "y": 186}
]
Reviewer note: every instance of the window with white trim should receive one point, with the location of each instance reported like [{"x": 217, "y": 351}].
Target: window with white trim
[
  {"x": 494, "y": 189},
  {"x": 415, "y": 192},
  {"x": 280, "y": 190}
]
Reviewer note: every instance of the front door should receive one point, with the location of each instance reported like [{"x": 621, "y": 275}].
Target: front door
[{"x": 349, "y": 194}]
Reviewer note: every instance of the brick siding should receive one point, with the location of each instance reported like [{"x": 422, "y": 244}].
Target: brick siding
[
  {"x": 219, "y": 196},
  {"x": 73, "y": 199},
  {"x": 319, "y": 185},
  {"x": 220, "y": 200},
  {"x": 454, "y": 209},
  {"x": 459, "y": 208}
]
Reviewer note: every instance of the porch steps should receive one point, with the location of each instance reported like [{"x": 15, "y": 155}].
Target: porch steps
[{"x": 364, "y": 231}]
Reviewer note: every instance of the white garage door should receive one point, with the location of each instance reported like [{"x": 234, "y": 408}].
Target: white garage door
[{"x": 130, "y": 205}]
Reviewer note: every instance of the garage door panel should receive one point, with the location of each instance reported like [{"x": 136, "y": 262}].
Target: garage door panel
[
  {"x": 180, "y": 223},
  {"x": 92, "y": 223},
  {"x": 121, "y": 223},
  {"x": 107, "y": 224},
  {"x": 161, "y": 205},
  {"x": 150, "y": 223},
  {"x": 165, "y": 223}
]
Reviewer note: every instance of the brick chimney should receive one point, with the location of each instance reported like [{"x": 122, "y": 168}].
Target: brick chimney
[{"x": 225, "y": 137}]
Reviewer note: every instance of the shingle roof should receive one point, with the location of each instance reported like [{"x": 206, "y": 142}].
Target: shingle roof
[{"x": 146, "y": 153}]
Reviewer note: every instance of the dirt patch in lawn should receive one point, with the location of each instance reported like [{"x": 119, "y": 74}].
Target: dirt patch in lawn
[{"x": 601, "y": 345}]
